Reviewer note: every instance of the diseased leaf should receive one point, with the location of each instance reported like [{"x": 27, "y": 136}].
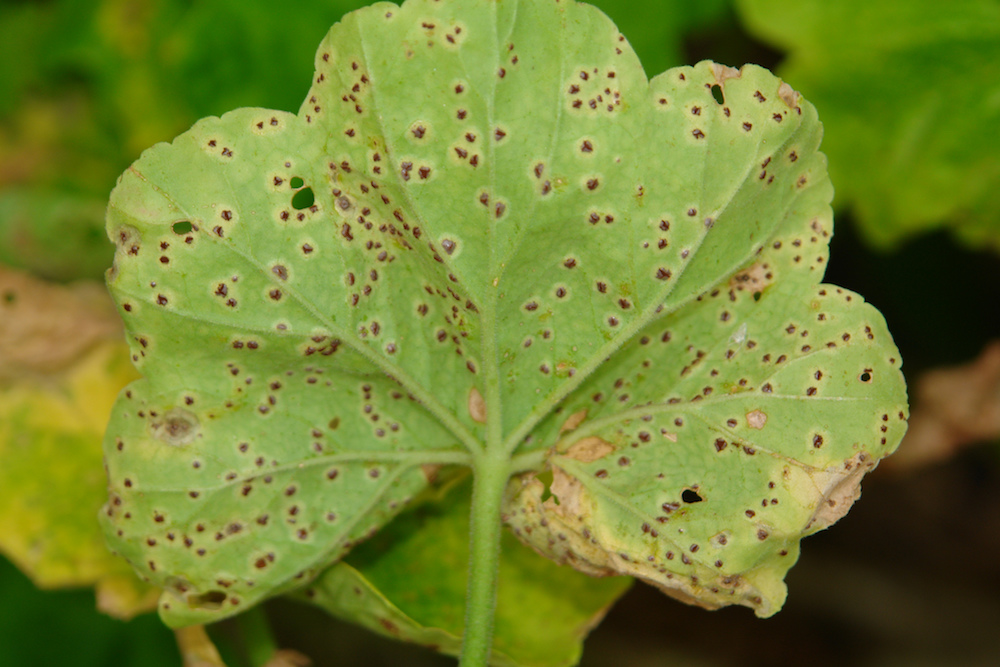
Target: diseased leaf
[
  {"x": 99, "y": 80},
  {"x": 482, "y": 198},
  {"x": 905, "y": 90},
  {"x": 58, "y": 379},
  {"x": 706, "y": 457},
  {"x": 409, "y": 582}
]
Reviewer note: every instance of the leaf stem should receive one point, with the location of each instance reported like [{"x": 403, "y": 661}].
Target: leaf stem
[
  {"x": 196, "y": 647},
  {"x": 491, "y": 471},
  {"x": 529, "y": 461},
  {"x": 257, "y": 636}
]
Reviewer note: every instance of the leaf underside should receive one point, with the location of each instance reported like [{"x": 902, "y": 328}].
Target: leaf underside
[
  {"x": 486, "y": 228},
  {"x": 409, "y": 583}
]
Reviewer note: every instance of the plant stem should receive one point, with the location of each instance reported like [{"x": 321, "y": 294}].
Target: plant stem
[
  {"x": 529, "y": 461},
  {"x": 491, "y": 471},
  {"x": 197, "y": 649},
  {"x": 257, "y": 637}
]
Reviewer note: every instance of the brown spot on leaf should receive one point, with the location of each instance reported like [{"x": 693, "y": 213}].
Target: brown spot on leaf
[{"x": 177, "y": 427}]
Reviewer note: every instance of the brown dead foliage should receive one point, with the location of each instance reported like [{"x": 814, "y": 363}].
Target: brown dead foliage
[
  {"x": 45, "y": 327},
  {"x": 954, "y": 407}
]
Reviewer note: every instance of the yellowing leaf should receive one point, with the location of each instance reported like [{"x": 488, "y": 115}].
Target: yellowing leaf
[{"x": 62, "y": 367}]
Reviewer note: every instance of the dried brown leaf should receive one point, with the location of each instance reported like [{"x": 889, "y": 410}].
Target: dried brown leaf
[
  {"x": 955, "y": 407},
  {"x": 45, "y": 327}
]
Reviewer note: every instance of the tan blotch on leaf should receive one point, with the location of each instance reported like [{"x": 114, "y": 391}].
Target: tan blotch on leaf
[
  {"x": 788, "y": 95},
  {"x": 589, "y": 449},
  {"x": 756, "y": 419},
  {"x": 723, "y": 72},
  {"x": 840, "y": 488},
  {"x": 573, "y": 421},
  {"x": 430, "y": 471},
  {"x": 753, "y": 278},
  {"x": 570, "y": 493},
  {"x": 477, "y": 406}
]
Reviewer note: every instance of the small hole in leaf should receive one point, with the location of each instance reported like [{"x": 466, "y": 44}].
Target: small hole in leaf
[
  {"x": 304, "y": 198},
  {"x": 717, "y": 94},
  {"x": 9, "y": 297},
  {"x": 296, "y": 182},
  {"x": 209, "y": 600},
  {"x": 546, "y": 479},
  {"x": 182, "y": 227},
  {"x": 866, "y": 376},
  {"x": 691, "y": 496}
]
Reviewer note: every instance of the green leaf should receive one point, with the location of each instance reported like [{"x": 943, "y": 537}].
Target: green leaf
[
  {"x": 409, "y": 581},
  {"x": 656, "y": 28},
  {"x": 53, "y": 234},
  {"x": 100, "y": 80},
  {"x": 723, "y": 434},
  {"x": 62, "y": 364},
  {"x": 503, "y": 209},
  {"x": 905, "y": 90}
]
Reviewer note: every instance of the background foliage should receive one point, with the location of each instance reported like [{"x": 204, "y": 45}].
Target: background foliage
[{"x": 909, "y": 93}]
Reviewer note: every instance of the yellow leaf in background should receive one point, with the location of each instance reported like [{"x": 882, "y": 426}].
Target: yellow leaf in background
[{"x": 62, "y": 363}]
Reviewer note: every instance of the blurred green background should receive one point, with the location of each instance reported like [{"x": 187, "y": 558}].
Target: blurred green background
[{"x": 909, "y": 93}]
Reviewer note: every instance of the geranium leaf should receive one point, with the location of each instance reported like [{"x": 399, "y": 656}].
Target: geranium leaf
[
  {"x": 723, "y": 434},
  {"x": 409, "y": 583},
  {"x": 474, "y": 218},
  {"x": 657, "y": 29},
  {"x": 905, "y": 89},
  {"x": 100, "y": 81}
]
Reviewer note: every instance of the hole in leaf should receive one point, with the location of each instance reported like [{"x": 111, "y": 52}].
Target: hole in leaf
[
  {"x": 209, "y": 600},
  {"x": 866, "y": 376},
  {"x": 546, "y": 479},
  {"x": 691, "y": 496},
  {"x": 717, "y": 94},
  {"x": 182, "y": 227},
  {"x": 296, "y": 182},
  {"x": 9, "y": 297},
  {"x": 304, "y": 198}
]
